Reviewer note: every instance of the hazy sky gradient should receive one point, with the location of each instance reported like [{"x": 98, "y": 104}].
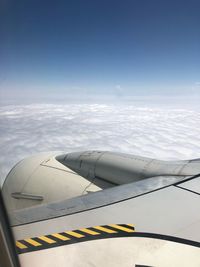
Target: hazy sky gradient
[{"x": 131, "y": 47}]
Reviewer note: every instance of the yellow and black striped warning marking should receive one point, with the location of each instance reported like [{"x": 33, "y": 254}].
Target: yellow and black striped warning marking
[{"x": 75, "y": 236}]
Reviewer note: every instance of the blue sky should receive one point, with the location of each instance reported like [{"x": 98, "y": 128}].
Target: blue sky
[{"x": 130, "y": 47}]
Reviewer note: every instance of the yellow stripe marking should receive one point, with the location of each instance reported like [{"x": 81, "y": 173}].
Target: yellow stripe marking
[
  {"x": 128, "y": 230},
  {"x": 33, "y": 242},
  {"x": 20, "y": 245},
  {"x": 130, "y": 224},
  {"x": 61, "y": 237},
  {"x": 47, "y": 239},
  {"x": 88, "y": 231},
  {"x": 101, "y": 228},
  {"x": 74, "y": 234}
]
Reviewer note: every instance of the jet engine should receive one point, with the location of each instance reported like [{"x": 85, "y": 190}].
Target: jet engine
[{"x": 50, "y": 177}]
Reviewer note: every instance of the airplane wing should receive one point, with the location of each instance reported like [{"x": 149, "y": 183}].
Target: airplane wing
[{"x": 150, "y": 222}]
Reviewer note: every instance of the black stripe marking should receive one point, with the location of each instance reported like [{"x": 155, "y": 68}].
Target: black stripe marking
[
  {"x": 72, "y": 239},
  {"x": 186, "y": 189},
  {"x": 118, "y": 230},
  {"x": 188, "y": 179},
  {"x": 101, "y": 235}
]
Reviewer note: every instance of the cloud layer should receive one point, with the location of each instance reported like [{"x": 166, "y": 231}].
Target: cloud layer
[{"x": 158, "y": 132}]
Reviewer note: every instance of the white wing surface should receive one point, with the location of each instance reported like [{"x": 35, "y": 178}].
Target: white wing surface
[{"x": 151, "y": 222}]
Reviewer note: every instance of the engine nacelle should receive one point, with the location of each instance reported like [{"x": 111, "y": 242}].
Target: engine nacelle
[
  {"x": 119, "y": 168},
  {"x": 46, "y": 178},
  {"x": 41, "y": 179}
]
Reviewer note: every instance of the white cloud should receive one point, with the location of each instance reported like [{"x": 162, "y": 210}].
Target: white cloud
[{"x": 158, "y": 132}]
